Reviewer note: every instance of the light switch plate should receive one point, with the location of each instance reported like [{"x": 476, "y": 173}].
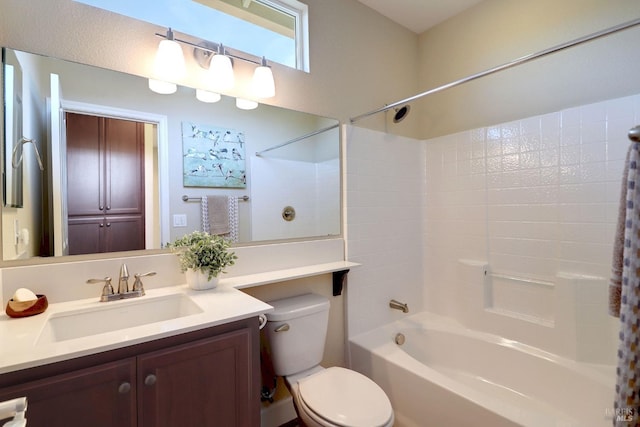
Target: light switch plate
[{"x": 179, "y": 220}]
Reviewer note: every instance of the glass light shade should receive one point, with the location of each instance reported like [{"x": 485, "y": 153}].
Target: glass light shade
[
  {"x": 206, "y": 96},
  {"x": 169, "y": 62},
  {"x": 246, "y": 104},
  {"x": 262, "y": 84},
  {"x": 162, "y": 87},
  {"x": 221, "y": 73}
]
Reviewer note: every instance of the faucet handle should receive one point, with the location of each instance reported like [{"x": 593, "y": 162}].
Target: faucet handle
[
  {"x": 107, "y": 288},
  {"x": 137, "y": 285}
]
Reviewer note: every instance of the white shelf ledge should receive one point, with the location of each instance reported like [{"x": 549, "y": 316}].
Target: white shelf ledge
[{"x": 260, "y": 279}]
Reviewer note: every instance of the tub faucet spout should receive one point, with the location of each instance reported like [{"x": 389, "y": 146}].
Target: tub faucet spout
[{"x": 397, "y": 305}]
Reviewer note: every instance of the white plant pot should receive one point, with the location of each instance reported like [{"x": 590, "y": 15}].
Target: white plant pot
[{"x": 200, "y": 281}]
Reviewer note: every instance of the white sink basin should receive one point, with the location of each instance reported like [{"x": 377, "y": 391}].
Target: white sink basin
[{"x": 117, "y": 315}]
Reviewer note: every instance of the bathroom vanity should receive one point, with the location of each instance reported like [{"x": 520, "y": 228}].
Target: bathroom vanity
[
  {"x": 174, "y": 357},
  {"x": 203, "y": 378}
]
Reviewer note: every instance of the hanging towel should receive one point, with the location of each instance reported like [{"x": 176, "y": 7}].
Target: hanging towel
[
  {"x": 615, "y": 283},
  {"x": 220, "y": 216},
  {"x": 234, "y": 219},
  {"x": 204, "y": 213},
  {"x": 627, "y": 395}
]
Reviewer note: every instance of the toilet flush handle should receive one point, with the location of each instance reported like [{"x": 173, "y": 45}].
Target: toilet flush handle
[
  {"x": 262, "y": 321},
  {"x": 282, "y": 328}
]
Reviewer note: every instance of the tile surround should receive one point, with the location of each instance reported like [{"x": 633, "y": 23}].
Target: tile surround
[{"x": 532, "y": 198}]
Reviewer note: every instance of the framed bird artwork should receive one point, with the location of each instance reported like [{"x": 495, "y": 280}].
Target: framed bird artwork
[{"x": 213, "y": 156}]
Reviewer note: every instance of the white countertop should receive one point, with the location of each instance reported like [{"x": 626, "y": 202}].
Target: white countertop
[{"x": 20, "y": 349}]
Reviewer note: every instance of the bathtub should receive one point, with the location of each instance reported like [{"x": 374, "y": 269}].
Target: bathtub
[{"x": 446, "y": 375}]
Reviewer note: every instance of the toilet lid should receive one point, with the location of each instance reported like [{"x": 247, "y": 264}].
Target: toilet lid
[{"x": 345, "y": 398}]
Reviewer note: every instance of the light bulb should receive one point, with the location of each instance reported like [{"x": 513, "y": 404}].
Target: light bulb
[
  {"x": 206, "y": 96},
  {"x": 246, "y": 104},
  {"x": 169, "y": 62},
  {"x": 262, "y": 84},
  {"x": 168, "y": 66},
  {"x": 162, "y": 87},
  {"x": 221, "y": 73}
]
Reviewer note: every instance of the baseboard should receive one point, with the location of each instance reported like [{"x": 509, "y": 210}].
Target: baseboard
[{"x": 278, "y": 413}]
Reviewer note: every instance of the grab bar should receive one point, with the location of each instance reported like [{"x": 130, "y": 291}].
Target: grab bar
[{"x": 523, "y": 280}]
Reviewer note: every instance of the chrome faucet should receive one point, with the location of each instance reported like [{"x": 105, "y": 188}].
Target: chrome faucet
[
  {"x": 123, "y": 282},
  {"x": 397, "y": 305},
  {"x": 108, "y": 293}
]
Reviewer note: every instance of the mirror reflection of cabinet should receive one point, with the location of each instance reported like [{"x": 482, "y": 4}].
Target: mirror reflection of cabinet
[
  {"x": 312, "y": 163},
  {"x": 105, "y": 184}
]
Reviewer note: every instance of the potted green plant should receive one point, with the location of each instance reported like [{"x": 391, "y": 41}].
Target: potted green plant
[{"x": 202, "y": 257}]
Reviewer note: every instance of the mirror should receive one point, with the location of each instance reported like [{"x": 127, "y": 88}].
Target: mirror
[
  {"x": 12, "y": 169},
  {"x": 189, "y": 150}
]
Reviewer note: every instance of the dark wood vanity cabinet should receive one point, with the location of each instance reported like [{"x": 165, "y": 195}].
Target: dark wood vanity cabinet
[
  {"x": 206, "y": 383},
  {"x": 86, "y": 397},
  {"x": 203, "y": 378}
]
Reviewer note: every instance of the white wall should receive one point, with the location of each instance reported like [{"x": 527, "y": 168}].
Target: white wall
[{"x": 312, "y": 189}]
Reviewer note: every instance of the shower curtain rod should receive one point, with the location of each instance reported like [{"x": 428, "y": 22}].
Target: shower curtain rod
[
  {"x": 521, "y": 60},
  {"x": 300, "y": 138}
]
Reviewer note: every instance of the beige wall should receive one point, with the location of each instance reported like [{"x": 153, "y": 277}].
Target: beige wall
[
  {"x": 359, "y": 60},
  {"x": 498, "y": 31}
]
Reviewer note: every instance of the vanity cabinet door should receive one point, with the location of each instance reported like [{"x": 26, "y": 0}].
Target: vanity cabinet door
[
  {"x": 205, "y": 383},
  {"x": 114, "y": 233},
  {"x": 100, "y": 396}
]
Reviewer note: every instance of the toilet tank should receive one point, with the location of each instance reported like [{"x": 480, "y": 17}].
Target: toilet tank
[{"x": 297, "y": 330}]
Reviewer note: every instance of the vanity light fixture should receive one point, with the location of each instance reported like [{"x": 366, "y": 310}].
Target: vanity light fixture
[
  {"x": 169, "y": 65},
  {"x": 246, "y": 104},
  {"x": 218, "y": 62}
]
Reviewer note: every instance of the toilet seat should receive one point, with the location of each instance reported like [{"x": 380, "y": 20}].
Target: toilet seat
[{"x": 346, "y": 398}]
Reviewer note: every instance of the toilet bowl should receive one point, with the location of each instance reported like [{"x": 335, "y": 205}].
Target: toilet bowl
[
  {"x": 331, "y": 397},
  {"x": 340, "y": 397}
]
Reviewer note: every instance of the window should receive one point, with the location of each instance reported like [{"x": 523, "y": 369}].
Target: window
[{"x": 275, "y": 29}]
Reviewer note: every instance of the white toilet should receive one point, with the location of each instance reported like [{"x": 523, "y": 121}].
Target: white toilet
[{"x": 331, "y": 397}]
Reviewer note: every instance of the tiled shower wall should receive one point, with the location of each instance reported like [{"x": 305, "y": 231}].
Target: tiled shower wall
[
  {"x": 530, "y": 204},
  {"x": 532, "y": 198},
  {"x": 534, "y": 203},
  {"x": 385, "y": 199}
]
